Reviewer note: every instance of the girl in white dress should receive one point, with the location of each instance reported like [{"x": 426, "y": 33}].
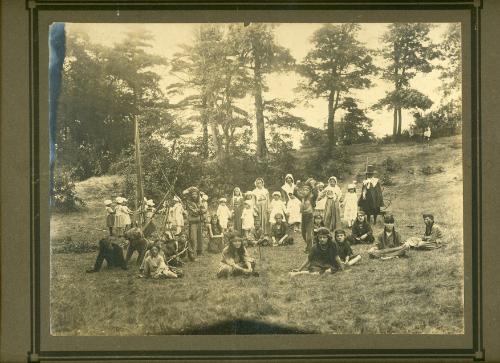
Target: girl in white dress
[
  {"x": 223, "y": 213},
  {"x": 293, "y": 211},
  {"x": 351, "y": 205},
  {"x": 276, "y": 206}
]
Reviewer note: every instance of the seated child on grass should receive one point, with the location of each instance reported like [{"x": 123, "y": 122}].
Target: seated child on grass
[
  {"x": 155, "y": 266},
  {"x": 344, "y": 249},
  {"x": 389, "y": 244},
  {"x": 322, "y": 258},
  {"x": 235, "y": 259},
  {"x": 361, "y": 231},
  {"x": 318, "y": 223},
  {"x": 432, "y": 237},
  {"x": 280, "y": 236}
]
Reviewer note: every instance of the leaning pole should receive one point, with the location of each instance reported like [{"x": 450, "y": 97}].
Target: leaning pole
[{"x": 139, "y": 193}]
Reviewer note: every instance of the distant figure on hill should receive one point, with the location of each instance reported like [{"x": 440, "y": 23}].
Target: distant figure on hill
[
  {"x": 427, "y": 134},
  {"x": 432, "y": 237},
  {"x": 371, "y": 199}
]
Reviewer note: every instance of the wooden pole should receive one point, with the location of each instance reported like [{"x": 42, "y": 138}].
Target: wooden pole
[{"x": 139, "y": 195}]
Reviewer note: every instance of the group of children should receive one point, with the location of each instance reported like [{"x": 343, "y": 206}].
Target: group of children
[{"x": 250, "y": 219}]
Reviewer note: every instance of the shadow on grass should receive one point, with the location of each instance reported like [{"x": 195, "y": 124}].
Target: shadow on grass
[{"x": 244, "y": 327}]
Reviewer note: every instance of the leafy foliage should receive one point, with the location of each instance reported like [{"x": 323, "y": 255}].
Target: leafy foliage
[
  {"x": 64, "y": 197},
  {"x": 444, "y": 121},
  {"x": 355, "y": 125}
]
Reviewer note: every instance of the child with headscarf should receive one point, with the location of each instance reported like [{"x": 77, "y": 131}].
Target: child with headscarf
[
  {"x": 319, "y": 209},
  {"x": 176, "y": 216},
  {"x": 287, "y": 188},
  {"x": 332, "y": 205}
]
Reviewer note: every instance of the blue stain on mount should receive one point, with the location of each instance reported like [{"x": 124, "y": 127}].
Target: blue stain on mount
[{"x": 57, "y": 52}]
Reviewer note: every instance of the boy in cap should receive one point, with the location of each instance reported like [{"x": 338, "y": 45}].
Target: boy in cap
[
  {"x": 361, "y": 231},
  {"x": 110, "y": 216},
  {"x": 389, "y": 244},
  {"x": 323, "y": 257},
  {"x": 344, "y": 249},
  {"x": 432, "y": 237}
]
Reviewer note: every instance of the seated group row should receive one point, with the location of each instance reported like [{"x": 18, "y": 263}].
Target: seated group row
[{"x": 164, "y": 257}]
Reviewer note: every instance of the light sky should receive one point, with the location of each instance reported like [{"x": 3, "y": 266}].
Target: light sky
[{"x": 295, "y": 37}]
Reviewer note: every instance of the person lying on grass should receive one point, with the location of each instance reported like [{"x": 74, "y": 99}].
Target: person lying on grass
[
  {"x": 389, "y": 244},
  {"x": 432, "y": 237},
  {"x": 235, "y": 259},
  {"x": 155, "y": 266},
  {"x": 361, "y": 231},
  {"x": 279, "y": 232},
  {"x": 323, "y": 257},
  {"x": 111, "y": 251},
  {"x": 344, "y": 249}
]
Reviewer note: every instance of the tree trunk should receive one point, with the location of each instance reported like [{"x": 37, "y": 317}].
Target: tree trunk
[
  {"x": 400, "y": 120},
  {"x": 395, "y": 125},
  {"x": 219, "y": 149},
  {"x": 139, "y": 194},
  {"x": 204, "y": 123},
  {"x": 330, "y": 125},
  {"x": 261, "y": 151}
]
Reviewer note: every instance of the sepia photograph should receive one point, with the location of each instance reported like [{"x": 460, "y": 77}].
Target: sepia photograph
[{"x": 256, "y": 178}]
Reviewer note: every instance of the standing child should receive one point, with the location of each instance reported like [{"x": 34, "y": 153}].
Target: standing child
[
  {"x": 321, "y": 200},
  {"x": 279, "y": 230},
  {"x": 344, "y": 249},
  {"x": 215, "y": 242},
  {"x": 176, "y": 216},
  {"x": 120, "y": 219},
  {"x": 110, "y": 216},
  {"x": 237, "y": 203},
  {"x": 247, "y": 220},
  {"x": 223, "y": 213},
  {"x": 293, "y": 212},
  {"x": 127, "y": 213},
  {"x": 276, "y": 206},
  {"x": 351, "y": 205}
]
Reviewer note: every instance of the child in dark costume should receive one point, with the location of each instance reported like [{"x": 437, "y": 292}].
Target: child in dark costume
[
  {"x": 111, "y": 251},
  {"x": 361, "y": 230},
  {"x": 280, "y": 236},
  {"x": 344, "y": 249}
]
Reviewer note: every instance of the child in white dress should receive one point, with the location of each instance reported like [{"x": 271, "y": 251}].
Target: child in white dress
[
  {"x": 293, "y": 212},
  {"x": 223, "y": 213},
  {"x": 276, "y": 206},
  {"x": 350, "y": 205},
  {"x": 248, "y": 219}
]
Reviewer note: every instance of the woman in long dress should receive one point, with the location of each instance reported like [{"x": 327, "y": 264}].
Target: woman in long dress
[
  {"x": 261, "y": 196},
  {"x": 332, "y": 206},
  {"x": 237, "y": 205}
]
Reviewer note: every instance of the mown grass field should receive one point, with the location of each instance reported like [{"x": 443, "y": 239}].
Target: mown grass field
[{"x": 420, "y": 294}]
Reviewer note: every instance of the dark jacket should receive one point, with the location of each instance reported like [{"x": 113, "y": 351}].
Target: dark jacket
[{"x": 383, "y": 241}]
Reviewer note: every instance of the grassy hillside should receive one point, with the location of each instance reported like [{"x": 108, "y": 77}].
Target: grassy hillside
[{"x": 421, "y": 294}]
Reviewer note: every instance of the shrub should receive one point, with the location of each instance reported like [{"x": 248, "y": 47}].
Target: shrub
[
  {"x": 70, "y": 246},
  {"x": 390, "y": 165},
  {"x": 63, "y": 196},
  {"x": 386, "y": 179},
  {"x": 324, "y": 163},
  {"x": 429, "y": 170}
]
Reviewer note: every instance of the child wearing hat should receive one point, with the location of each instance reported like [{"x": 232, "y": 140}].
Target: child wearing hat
[
  {"x": 350, "y": 205},
  {"x": 361, "y": 231},
  {"x": 344, "y": 249},
  {"x": 223, "y": 213},
  {"x": 323, "y": 257},
  {"x": 110, "y": 216},
  {"x": 276, "y": 206},
  {"x": 389, "y": 244},
  {"x": 279, "y": 232},
  {"x": 432, "y": 237},
  {"x": 120, "y": 216}
]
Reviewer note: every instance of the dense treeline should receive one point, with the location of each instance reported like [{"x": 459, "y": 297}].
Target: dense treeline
[{"x": 198, "y": 129}]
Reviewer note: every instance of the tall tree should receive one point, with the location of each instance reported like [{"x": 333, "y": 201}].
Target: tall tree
[
  {"x": 262, "y": 55},
  {"x": 355, "y": 125},
  {"x": 337, "y": 64},
  {"x": 408, "y": 50},
  {"x": 216, "y": 79}
]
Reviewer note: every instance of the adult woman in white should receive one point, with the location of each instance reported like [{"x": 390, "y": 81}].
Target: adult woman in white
[
  {"x": 287, "y": 188},
  {"x": 333, "y": 196}
]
